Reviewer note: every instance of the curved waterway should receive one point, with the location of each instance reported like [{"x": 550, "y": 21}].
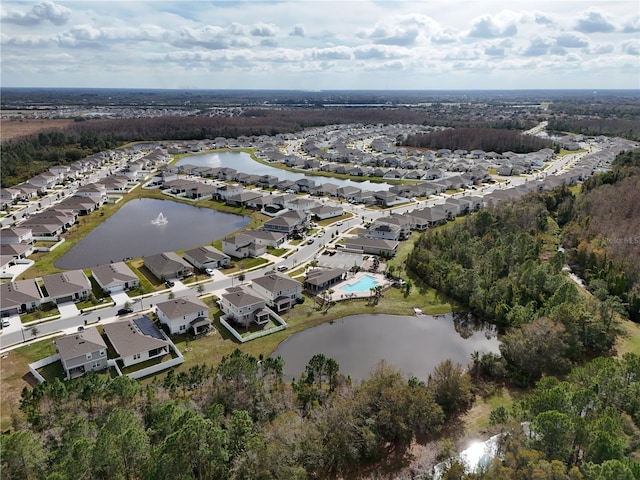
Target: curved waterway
[
  {"x": 415, "y": 345},
  {"x": 133, "y": 231},
  {"x": 242, "y": 162}
]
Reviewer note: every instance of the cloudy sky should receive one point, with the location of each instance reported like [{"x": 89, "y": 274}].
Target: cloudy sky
[{"x": 321, "y": 44}]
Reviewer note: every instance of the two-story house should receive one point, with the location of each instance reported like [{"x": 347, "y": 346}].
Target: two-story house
[
  {"x": 280, "y": 291},
  {"x": 183, "y": 314},
  {"x": 82, "y": 352}
]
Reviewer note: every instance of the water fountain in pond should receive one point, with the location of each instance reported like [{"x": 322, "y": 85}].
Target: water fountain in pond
[{"x": 160, "y": 220}]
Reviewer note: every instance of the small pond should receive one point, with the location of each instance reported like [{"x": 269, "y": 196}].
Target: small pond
[
  {"x": 242, "y": 162},
  {"x": 133, "y": 232},
  {"x": 415, "y": 345}
]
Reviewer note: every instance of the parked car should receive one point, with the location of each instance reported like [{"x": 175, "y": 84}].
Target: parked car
[
  {"x": 125, "y": 311},
  {"x": 339, "y": 224},
  {"x": 5, "y": 323},
  {"x": 321, "y": 234},
  {"x": 209, "y": 271},
  {"x": 169, "y": 284},
  {"x": 310, "y": 241},
  {"x": 282, "y": 268}
]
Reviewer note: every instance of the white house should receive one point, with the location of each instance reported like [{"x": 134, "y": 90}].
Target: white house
[
  {"x": 115, "y": 277},
  {"x": 181, "y": 314}
]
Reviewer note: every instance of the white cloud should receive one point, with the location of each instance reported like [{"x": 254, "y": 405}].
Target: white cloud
[
  {"x": 264, "y": 30},
  {"x": 41, "y": 13},
  {"x": 594, "y": 21},
  {"x": 633, "y": 25},
  {"x": 572, "y": 40},
  {"x": 537, "y": 47},
  {"x": 297, "y": 31},
  {"x": 487, "y": 26},
  {"x": 632, "y": 47}
]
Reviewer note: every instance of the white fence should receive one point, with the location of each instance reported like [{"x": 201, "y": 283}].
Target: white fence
[
  {"x": 43, "y": 362},
  {"x": 253, "y": 336}
]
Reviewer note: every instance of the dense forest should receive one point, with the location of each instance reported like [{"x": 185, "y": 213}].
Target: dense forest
[
  {"x": 487, "y": 139},
  {"x": 626, "y": 127},
  {"x": 240, "y": 420}
]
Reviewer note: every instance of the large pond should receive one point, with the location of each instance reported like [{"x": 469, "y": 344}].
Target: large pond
[
  {"x": 415, "y": 345},
  {"x": 132, "y": 232},
  {"x": 242, "y": 162}
]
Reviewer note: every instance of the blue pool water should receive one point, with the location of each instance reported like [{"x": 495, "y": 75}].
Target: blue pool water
[{"x": 364, "y": 284}]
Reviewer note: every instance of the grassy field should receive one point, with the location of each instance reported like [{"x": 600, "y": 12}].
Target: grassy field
[{"x": 12, "y": 128}]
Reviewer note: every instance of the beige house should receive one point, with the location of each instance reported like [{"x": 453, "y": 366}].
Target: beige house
[
  {"x": 136, "y": 340},
  {"x": 82, "y": 352}
]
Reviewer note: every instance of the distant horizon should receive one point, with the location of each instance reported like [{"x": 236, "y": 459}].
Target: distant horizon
[{"x": 568, "y": 89}]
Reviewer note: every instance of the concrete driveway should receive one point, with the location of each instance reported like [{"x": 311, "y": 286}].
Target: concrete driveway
[{"x": 68, "y": 310}]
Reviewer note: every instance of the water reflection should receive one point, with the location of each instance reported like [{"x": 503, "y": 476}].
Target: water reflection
[
  {"x": 466, "y": 324},
  {"x": 242, "y": 162},
  {"x": 130, "y": 232},
  {"x": 416, "y": 345}
]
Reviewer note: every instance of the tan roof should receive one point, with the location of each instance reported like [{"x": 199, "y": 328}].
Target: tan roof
[
  {"x": 127, "y": 339},
  {"x": 110, "y": 273},
  {"x": 276, "y": 282},
  {"x": 179, "y": 307},
  {"x": 66, "y": 283},
  {"x": 81, "y": 343},
  {"x": 241, "y": 297}
]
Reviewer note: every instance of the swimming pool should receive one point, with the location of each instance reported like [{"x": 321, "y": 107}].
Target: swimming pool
[{"x": 364, "y": 284}]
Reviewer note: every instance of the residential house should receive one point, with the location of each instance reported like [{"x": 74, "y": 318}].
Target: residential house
[
  {"x": 167, "y": 265},
  {"x": 184, "y": 314},
  {"x": 115, "y": 277},
  {"x": 207, "y": 257},
  {"x": 241, "y": 305},
  {"x": 82, "y": 352},
  {"x": 374, "y": 246},
  {"x": 19, "y": 297},
  {"x": 280, "y": 291},
  {"x": 136, "y": 340},
  {"x": 15, "y": 235},
  {"x": 288, "y": 222},
  {"x": 320, "y": 279},
  {"x": 383, "y": 230},
  {"x": 326, "y": 211},
  {"x": 68, "y": 286},
  {"x": 242, "y": 245}
]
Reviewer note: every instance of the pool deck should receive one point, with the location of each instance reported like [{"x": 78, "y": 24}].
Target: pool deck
[{"x": 340, "y": 294}]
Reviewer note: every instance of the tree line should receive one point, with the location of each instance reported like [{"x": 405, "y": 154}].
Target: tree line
[
  {"x": 487, "y": 139},
  {"x": 237, "y": 420}
]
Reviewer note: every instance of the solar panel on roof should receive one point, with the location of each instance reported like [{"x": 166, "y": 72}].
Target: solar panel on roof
[{"x": 147, "y": 327}]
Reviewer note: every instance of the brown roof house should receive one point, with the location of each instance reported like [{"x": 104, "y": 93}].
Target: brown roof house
[
  {"x": 82, "y": 352},
  {"x": 167, "y": 265},
  {"x": 207, "y": 257},
  {"x": 69, "y": 286},
  {"x": 320, "y": 279},
  {"x": 280, "y": 291},
  {"x": 243, "y": 306},
  {"x": 115, "y": 277},
  {"x": 136, "y": 340},
  {"x": 19, "y": 297},
  {"x": 184, "y": 314}
]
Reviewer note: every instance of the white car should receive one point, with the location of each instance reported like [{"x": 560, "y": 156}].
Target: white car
[
  {"x": 209, "y": 271},
  {"x": 5, "y": 323}
]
